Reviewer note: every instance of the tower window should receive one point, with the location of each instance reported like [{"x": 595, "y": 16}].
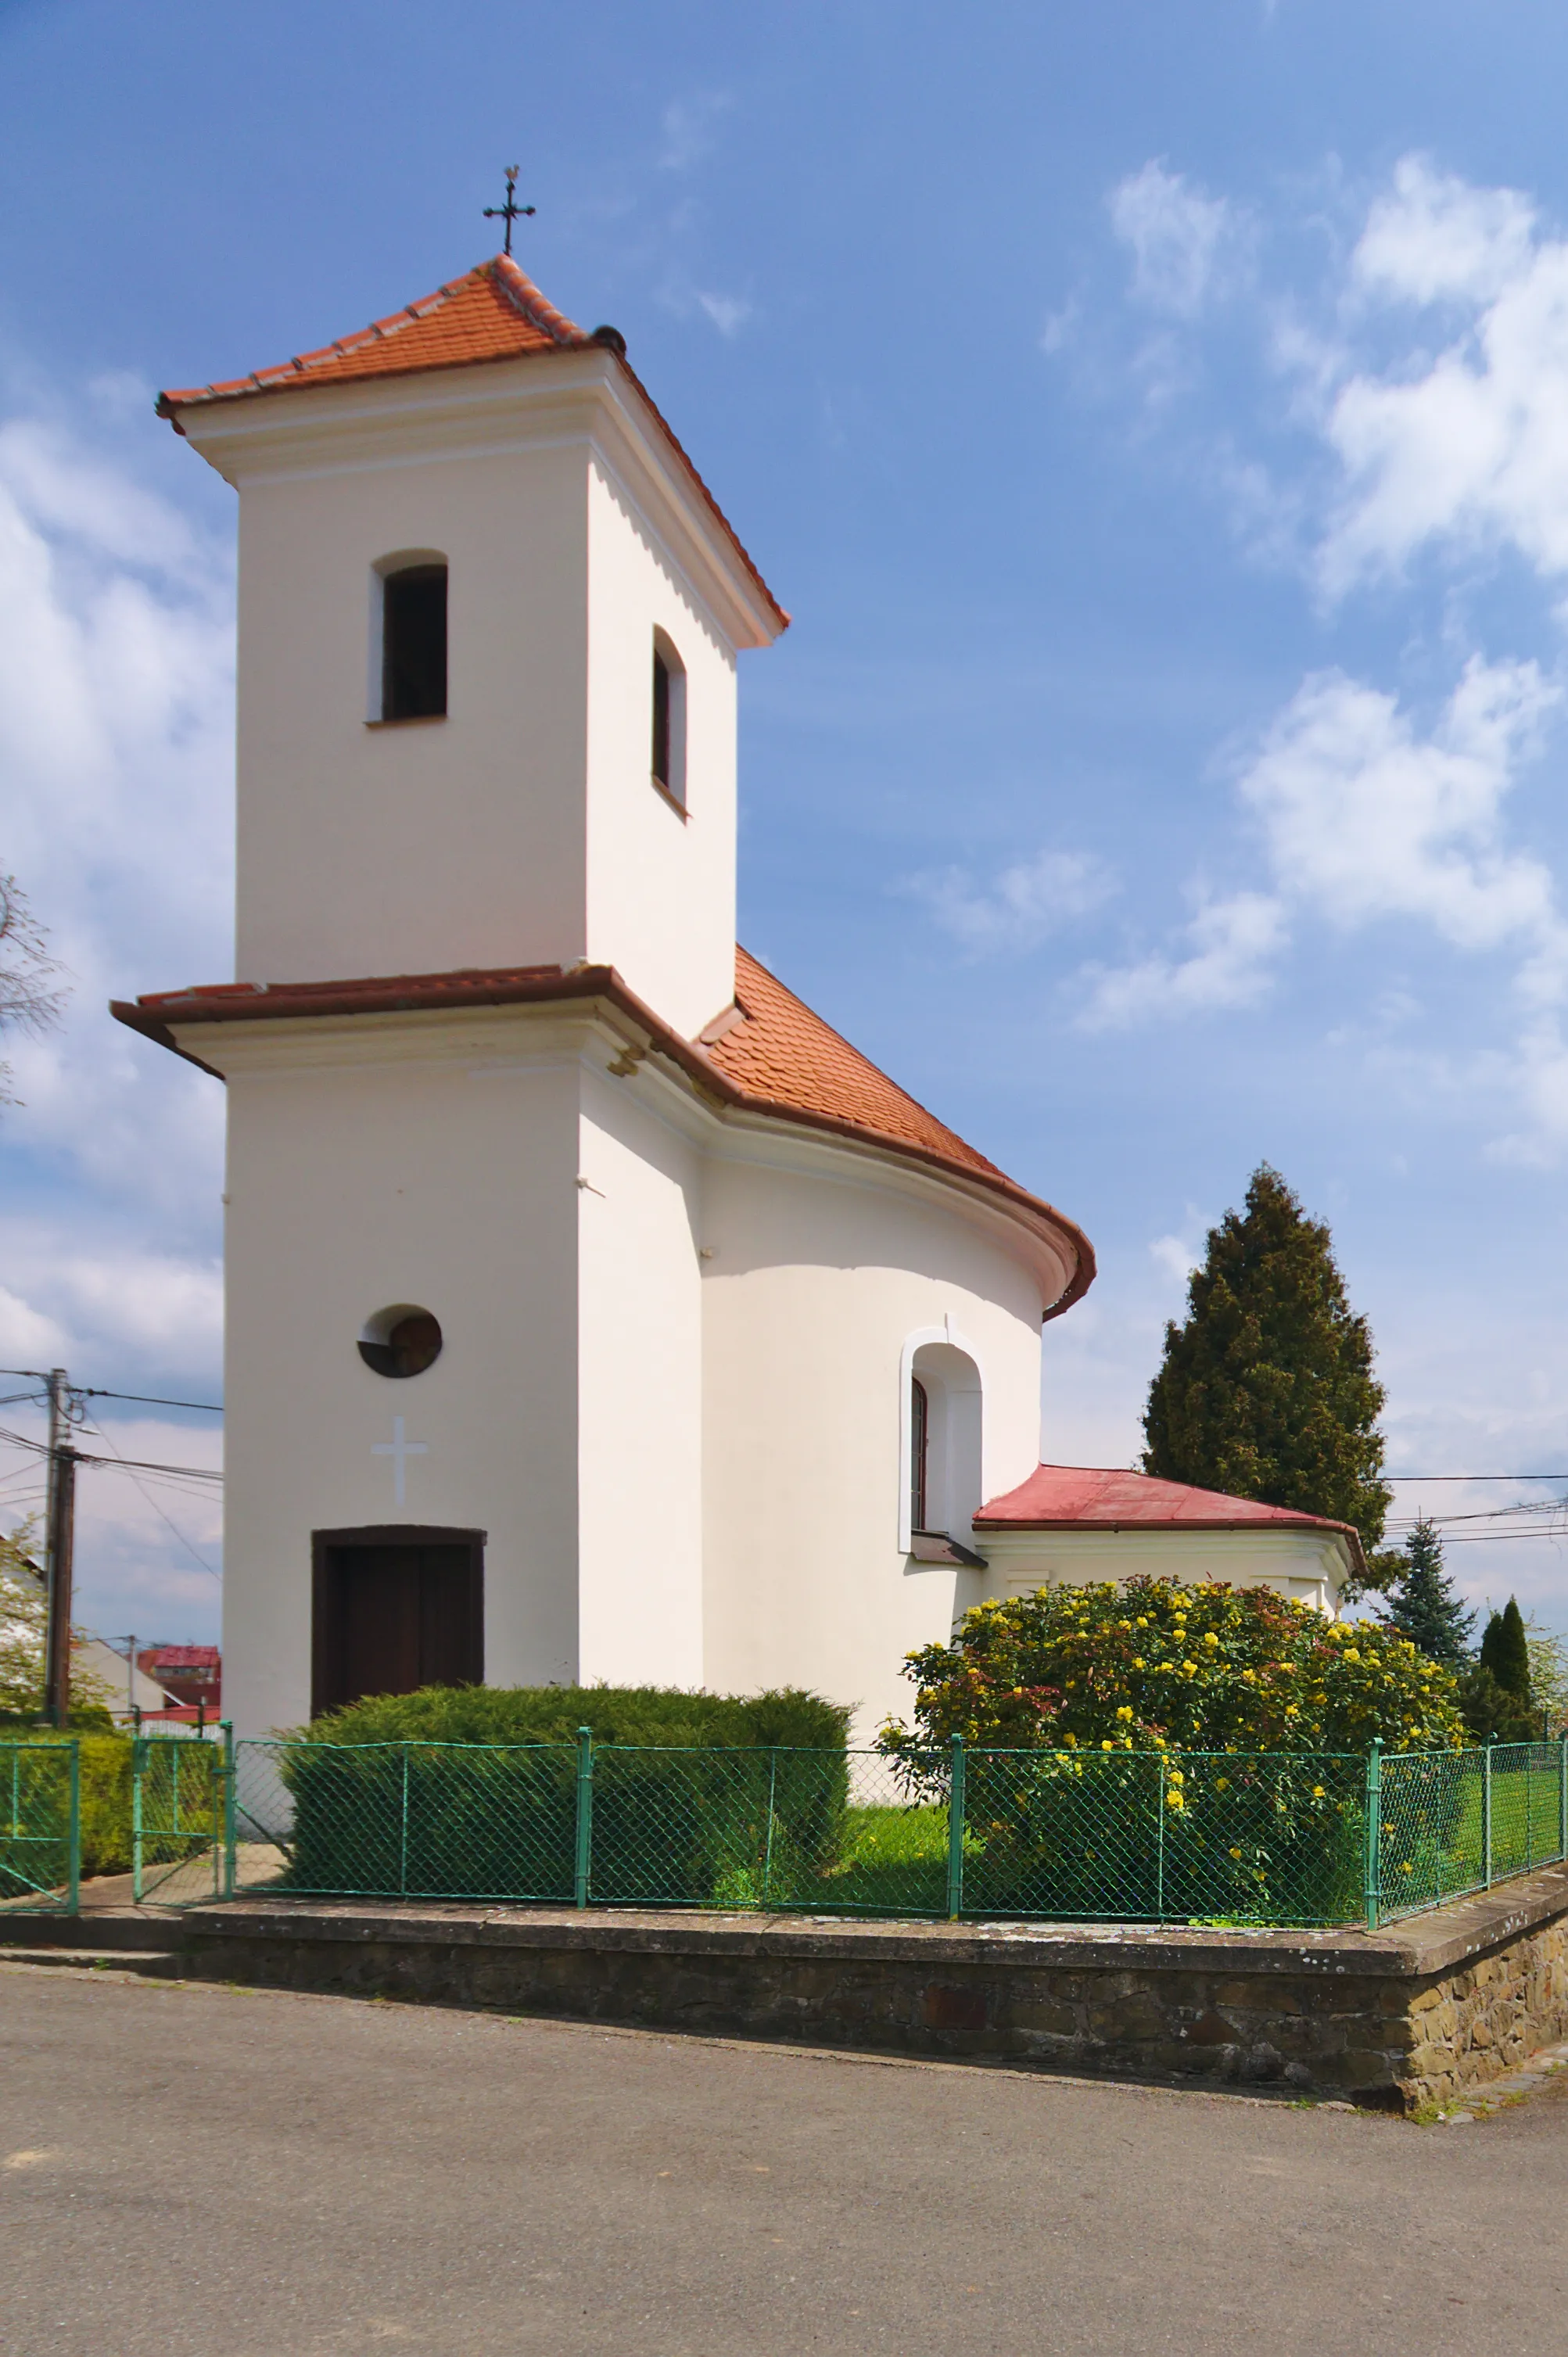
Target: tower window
[
  {"x": 668, "y": 720},
  {"x": 414, "y": 642}
]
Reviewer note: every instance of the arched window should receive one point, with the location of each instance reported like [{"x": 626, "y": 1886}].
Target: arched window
[
  {"x": 942, "y": 1430},
  {"x": 919, "y": 1435},
  {"x": 414, "y": 638},
  {"x": 668, "y": 720}
]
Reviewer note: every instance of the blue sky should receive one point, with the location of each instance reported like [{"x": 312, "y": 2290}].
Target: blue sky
[{"x": 1153, "y": 417}]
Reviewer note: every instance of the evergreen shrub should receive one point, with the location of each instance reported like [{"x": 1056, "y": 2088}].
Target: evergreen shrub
[{"x": 695, "y": 1796}]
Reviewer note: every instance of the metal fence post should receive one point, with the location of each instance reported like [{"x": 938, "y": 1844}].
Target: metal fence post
[
  {"x": 230, "y": 1812},
  {"x": 956, "y": 1797},
  {"x": 1374, "y": 1832},
  {"x": 73, "y": 1862},
  {"x": 1562, "y": 1800},
  {"x": 584, "y": 1859},
  {"x": 768, "y": 1853},
  {"x": 402, "y": 1834},
  {"x": 138, "y": 1769},
  {"x": 1487, "y": 1817},
  {"x": 1160, "y": 1837}
]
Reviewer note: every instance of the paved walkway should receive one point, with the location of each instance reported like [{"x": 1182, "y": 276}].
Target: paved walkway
[{"x": 190, "y": 2166}]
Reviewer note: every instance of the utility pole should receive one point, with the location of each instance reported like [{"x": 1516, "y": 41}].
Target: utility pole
[{"x": 59, "y": 1552}]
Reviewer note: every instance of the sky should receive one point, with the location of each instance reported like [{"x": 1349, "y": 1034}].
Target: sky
[{"x": 1155, "y": 418}]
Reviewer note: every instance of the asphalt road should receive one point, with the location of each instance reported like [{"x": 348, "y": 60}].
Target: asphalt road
[{"x": 200, "y": 2170}]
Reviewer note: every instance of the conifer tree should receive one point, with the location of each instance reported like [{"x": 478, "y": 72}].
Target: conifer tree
[
  {"x": 1505, "y": 1650},
  {"x": 1267, "y": 1389},
  {"x": 1423, "y": 1605}
]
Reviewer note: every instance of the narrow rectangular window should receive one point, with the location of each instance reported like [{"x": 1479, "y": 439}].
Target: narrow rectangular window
[
  {"x": 919, "y": 1419},
  {"x": 413, "y": 643},
  {"x": 661, "y": 722}
]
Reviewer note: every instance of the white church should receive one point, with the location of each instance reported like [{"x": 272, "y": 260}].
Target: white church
[{"x": 595, "y": 1311}]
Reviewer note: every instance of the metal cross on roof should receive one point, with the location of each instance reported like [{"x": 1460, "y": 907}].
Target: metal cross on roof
[{"x": 512, "y": 210}]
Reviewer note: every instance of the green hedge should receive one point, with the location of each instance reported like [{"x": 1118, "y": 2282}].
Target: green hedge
[
  {"x": 630, "y": 1715},
  {"x": 697, "y": 1798}
]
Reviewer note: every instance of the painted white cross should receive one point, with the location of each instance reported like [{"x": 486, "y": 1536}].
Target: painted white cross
[{"x": 398, "y": 1450}]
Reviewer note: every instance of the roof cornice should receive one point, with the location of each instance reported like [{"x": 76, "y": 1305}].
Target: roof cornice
[{"x": 164, "y": 1015}]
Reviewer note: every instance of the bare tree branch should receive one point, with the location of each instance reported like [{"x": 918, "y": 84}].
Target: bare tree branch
[{"x": 30, "y": 997}]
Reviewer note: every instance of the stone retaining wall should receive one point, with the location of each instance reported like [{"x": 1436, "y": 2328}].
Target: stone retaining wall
[{"x": 1400, "y": 2019}]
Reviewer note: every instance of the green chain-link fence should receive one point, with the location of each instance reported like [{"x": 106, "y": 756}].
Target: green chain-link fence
[
  {"x": 40, "y": 1825},
  {"x": 1223, "y": 1837},
  {"x": 1447, "y": 1822},
  {"x": 1280, "y": 1838}
]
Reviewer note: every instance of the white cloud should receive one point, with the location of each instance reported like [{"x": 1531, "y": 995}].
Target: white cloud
[
  {"x": 1184, "y": 244},
  {"x": 688, "y": 128},
  {"x": 1175, "y": 1255},
  {"x": 1364, "y": 818},
  {"x": 1434, "y": 237},
  {"x": 1466, "y": 447},
  {"x": 729, "y": 313},
  {"x": 1022, "y": 905},
  {"x": 1226, "y": 960},
  {"x": 115, "y": 802}
]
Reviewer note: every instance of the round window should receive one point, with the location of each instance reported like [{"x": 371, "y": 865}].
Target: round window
[{"x": 401, "y": 1341}]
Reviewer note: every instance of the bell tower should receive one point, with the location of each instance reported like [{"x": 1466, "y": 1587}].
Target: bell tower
[{"x": 489, "y": 623}]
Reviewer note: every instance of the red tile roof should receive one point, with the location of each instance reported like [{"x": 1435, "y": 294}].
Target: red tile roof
[
  {"x": 494, "y": 313},
  {"x": 1066, "y": 1497},
  {"x": 772, "y": 1056},
  {"x": 786, "y": 1056}
]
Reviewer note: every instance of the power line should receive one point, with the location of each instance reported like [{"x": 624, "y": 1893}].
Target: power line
[
  {"x": 157, "y": 1510},
  {"x": 143, "y": 1399}
]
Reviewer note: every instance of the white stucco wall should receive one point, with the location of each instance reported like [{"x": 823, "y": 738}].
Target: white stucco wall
[
  {"x": 432, "y": 843},
  {"x": 660, "y": 885},
  {"x": 639, "y": 1393},
  {"x": 356, "y": 1179},
  {"x": 1299, "y": 1564},
  {"x": 818, "y": 1276}
]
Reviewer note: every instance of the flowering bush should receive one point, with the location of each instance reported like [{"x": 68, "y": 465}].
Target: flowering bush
[
  {"x": 1157, "y": 1751},
  {"x": 1154, "y": 1666}
]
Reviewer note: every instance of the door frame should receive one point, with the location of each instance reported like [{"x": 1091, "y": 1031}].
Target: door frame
[{"x": 387, "y": 1535}]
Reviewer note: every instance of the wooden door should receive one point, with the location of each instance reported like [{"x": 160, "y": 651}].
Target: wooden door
[{"x": 396, "y": 1610}]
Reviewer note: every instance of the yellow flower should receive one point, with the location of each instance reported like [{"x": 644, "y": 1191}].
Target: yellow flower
[
  {"x": 1106, "y": 1744},
  {"x": 1190, "y": 1669},
  {"x": 1222, "y": 1784},
  {"x": 1174, "y": 1799},
  {"x": 1176, "y": 1776},
  {"x": 1235, "y": 1853},
  {"x": 1138, "y": 1661},
  {"x": 1143, "y": 1620},
  {"x": 1125, "y": 1711},
  {"x": 1352, "y": 1653},
  {"x": 1318, "y": 1793},
  {"x": 1210, "y": 1639}
]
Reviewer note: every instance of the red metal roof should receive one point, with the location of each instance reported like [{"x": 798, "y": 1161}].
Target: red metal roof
[
  {"x": 1065, "y": 1497},
  {"x": 771, "y": 1055},
  {"x": 182, "y": 1657}
]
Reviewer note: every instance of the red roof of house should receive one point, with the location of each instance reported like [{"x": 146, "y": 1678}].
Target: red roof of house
[
  {"x": 183, "y": 1657},
  {"x": 1066, "y": 1497},
  {"x": 770, "y": 1054},
  {"x": 493, "y": 313}
]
